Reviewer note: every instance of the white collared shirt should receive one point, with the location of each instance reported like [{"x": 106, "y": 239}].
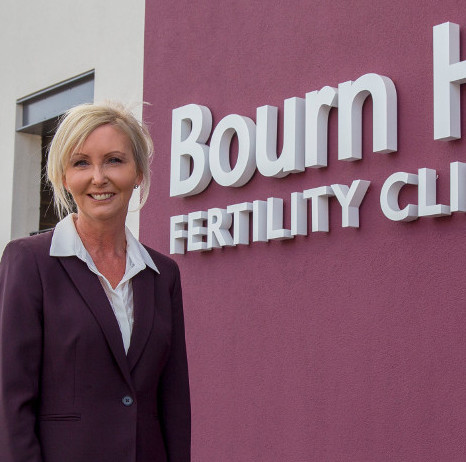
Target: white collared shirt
[{"x": 66, "y": 242}]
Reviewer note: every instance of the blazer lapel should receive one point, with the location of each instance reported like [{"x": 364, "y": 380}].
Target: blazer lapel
[
  {"x": 144, "y": 308},
  {"x": 88, "y": 285}
]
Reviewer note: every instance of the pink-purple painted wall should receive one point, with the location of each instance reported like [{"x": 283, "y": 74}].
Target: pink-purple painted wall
[{"x": 341, "y": 346}]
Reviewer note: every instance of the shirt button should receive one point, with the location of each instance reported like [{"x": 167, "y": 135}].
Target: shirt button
[{"x": 127, "y": 400}]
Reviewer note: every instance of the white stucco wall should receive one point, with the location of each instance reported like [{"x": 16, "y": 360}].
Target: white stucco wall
[{"x": 44, "y": 42}]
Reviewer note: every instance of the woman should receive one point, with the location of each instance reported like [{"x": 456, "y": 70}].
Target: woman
[{"x": 92, "y": 350}]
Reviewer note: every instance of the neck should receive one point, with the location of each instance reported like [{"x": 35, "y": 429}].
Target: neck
[{"x": 106, "y": 237}]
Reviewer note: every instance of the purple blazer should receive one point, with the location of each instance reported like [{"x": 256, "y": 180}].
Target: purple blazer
[{"x": 68, "y": 391}]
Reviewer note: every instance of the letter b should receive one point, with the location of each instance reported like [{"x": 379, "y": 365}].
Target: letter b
[{"x": 191, "y": 126}]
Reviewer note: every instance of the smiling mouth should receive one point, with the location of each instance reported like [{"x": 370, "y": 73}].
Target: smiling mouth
[{"x": 101, "y": 197}]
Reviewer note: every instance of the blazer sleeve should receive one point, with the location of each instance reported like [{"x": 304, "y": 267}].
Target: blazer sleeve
[
  {"x": 173, "y": 398},
  {"x": 20, "y": 353}
]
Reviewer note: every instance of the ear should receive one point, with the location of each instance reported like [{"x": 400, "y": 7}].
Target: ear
[
  {"x": 64, "y": 183},
  {"x": 139, "y": 178}
]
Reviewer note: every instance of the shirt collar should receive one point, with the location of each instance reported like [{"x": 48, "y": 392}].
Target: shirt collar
[{"x": 66, "y": 243}]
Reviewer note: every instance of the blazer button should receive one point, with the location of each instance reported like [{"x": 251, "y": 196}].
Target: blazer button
[{"x": 127, "y": 400}]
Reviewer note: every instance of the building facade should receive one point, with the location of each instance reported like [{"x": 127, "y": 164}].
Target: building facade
[
  {"x": 337, "y": 333},
  {"x": 56, "y": 54},
  {"x": 309, "y": 179}
]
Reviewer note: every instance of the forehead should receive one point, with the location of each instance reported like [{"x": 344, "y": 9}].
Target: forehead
[{"x": 106, "y": 138}]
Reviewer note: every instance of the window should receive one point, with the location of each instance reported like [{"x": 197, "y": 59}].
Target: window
[{"x": 39, "y": 115}]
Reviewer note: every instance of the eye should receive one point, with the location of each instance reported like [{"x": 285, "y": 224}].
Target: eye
[
  {"x": 79, "y": 163},
  {"x": 114, "y": 160}
]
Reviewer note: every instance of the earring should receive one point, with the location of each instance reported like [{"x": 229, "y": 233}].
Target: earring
[{"x": 136, "y": 186}]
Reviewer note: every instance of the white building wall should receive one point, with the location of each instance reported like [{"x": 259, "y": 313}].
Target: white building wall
[{"x": 42, "y": 43}]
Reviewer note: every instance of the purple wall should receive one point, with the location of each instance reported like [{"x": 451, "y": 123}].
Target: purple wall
[{"x": 340, "y": 346}]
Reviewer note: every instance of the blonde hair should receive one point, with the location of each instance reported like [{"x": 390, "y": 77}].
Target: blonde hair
[{"x": 76, "y": 125}]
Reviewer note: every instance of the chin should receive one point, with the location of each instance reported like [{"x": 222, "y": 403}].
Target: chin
[{"x": 104, "y": 215}]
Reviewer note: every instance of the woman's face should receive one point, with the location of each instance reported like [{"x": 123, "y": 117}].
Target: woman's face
[{"x": 101, "y": 175}]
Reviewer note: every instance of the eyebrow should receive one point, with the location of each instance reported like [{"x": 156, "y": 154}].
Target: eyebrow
[{"x": 82, "y": 154}]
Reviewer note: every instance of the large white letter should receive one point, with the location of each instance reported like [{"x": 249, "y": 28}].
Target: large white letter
[
  {"x": 457, "y": 187},
  {"x": 292, "y": 156},
  {"x": 389, "y": 197},
  {"x": 427, "y": 191},
  {"x": 351, "y": 96},
  {"x": 449, "y": 74},
  {"x": 350, "y": 199},
  {"x": 191, "y": 125},
  {"x": 319, "y": 205},
  {"x": 196, "y": 231},
  {"x": 318, "y": 105},
  {"x": 240, "y": 222},
  {"x": 259, "y": 221},
  {"x": 219, "y": 156},
  {"x": 218, "y": 224},
  {"x": 298, "y": 214},
  {"x": 275, "y": 228},
  {"x": 178, "y": 233}
]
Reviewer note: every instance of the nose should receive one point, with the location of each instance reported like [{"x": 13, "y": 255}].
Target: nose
[{"x": 99, "y": 176}]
